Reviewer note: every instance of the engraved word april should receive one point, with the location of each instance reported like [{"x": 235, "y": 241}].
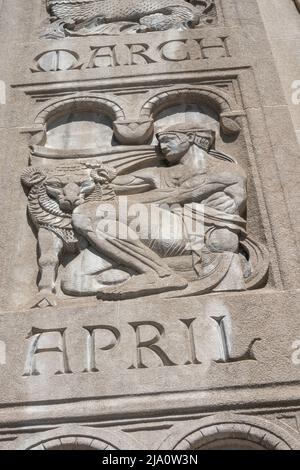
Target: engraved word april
[{"x": 137, "y": 345}]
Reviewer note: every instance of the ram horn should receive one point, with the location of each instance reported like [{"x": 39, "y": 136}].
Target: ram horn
[{"x": 32, "y": 176}]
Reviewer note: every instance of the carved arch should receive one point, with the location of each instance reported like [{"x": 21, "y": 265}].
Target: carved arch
[
  {"x": 223, "y": 104},
  {"x": 228, "y": 428},
  {"x": 77, "y": 438},
  {"x": 81, "y": 102},
  {"x": 78, "y": 102}
]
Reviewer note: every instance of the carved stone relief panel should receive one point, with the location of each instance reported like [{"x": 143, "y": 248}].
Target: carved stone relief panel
[
  {"x": 124, "y": 221},
  {"x": 110, "y": 17}
]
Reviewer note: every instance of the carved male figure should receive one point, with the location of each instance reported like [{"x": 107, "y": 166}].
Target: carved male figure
[
  {"x": 192, "y": 176},
  {"x": 79, "y": 210}
]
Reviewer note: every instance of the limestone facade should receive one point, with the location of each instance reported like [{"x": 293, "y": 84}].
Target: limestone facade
[{"x": 150, "y": 224}]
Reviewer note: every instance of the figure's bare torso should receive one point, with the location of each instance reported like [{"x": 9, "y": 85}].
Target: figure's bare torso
[{"x": 186, "y": 183}]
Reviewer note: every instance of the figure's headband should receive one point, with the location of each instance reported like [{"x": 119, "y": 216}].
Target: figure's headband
[{"x": 203, "y": 138}]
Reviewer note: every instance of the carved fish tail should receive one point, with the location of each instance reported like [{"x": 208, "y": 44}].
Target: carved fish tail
[{"x": 114, "y": 10}]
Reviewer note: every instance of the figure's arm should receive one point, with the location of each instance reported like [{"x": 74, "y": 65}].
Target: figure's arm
[
  {"x": 137, "y": 182},
  {"x": 225, "y": 192},
  {"x": 232, "y": 197},
  {"x": 238, "y": 193}
]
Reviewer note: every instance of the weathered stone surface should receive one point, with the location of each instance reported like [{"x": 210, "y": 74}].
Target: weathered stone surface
[
  {"x": 187, "y": 110},
  {"x": 283, "y": 28}
]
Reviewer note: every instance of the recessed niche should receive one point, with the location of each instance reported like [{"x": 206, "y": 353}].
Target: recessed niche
[{"x": 79, "y": 130}]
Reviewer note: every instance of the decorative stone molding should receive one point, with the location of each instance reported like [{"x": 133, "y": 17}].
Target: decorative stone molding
[
  {"x": 138, "y": 130},
  {"x": 134, "y": 131},
  {"x": 72, "y": 437},
  {"x": 225, "y": 429},
  {"x": 81, "y": 102},
  {"x": 223, "y": 104},
  {"x": 228, "y": 429}
]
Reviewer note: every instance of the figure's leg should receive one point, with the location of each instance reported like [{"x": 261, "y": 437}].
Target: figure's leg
[
  {"x": 153, "y": 274},
  {"x": 88, "y": 273},
  {"x": 223, "y": 240},
  {"x": 167, "y": 234},
  {"x": 50, "y": 247},
  {"x": 129, "y": 251}
]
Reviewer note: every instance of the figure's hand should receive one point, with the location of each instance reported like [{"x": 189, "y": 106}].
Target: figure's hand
[{"x": 221, "y": 202}]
